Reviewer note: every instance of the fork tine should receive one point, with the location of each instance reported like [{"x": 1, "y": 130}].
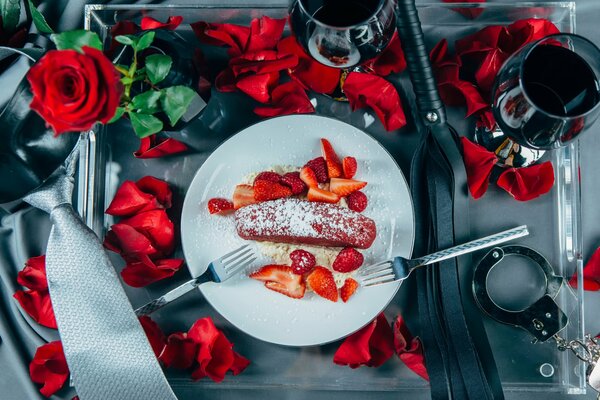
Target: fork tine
[
  {"x": 378, "y": 280},
  {"x": 241, "y": 266},
  {"x": 376, "y": 268},
  {"x": 377, "y": 274},
  {"x": 237, "y": 262},
  {"x": 234, "y": 259},
  {"x": 222, "y": 258}
]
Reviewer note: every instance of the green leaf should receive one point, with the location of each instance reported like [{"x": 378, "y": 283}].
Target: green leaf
[
  {"x": 39, "y": 20},
  {"x": 76, "y": 40},
  {"x": 118, "y": 114},
  {"x": 158, "y": 67},
  {"x": 11, "y": 13},
  {"x": 176, "y": 100},
  {"x": 147, "y": 102},
  {"x": 145, "y": 124},
  {"x": 145, "y": 41},
  {"x": 127, "y": 40}
]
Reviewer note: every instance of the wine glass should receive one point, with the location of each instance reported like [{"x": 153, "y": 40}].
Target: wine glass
[
  {"x": 343, "y": 33},
  {"x": 544, "y": 96}
]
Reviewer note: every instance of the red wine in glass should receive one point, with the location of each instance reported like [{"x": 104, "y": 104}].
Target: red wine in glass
[{"x": 343, "y": 33}]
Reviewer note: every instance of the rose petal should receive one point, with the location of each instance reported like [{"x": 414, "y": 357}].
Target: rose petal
[
  {"x": 155, "y": 147},
  {"x": 156, "y": 226},
  {"x": 265, "y": 33},
  {"x": 373, "y": 91},
  {"x": 308, "y": 72},
  {"x": 468, "y": 12},
  {"x": 33, "y": 275},
  {"x": 172, "y": 23},
  {"x": 409, "y": 348},
  {"x": 479, "y": 163},
  {"x": 179, "y": 352},
  {"x": 261, "y": 63},
  {"x": 489, "y": 68},
  {"x": 49, "y": 368},
  {"x": 234, "y": 36},
  {"x": 461, "y": 93},
  {"x": 486, "y": 119},
  {"x": 591, "y": 273},
  {"x": 391, "y": 60},
  {"x": 130, "y": 199},
  {"x": 157, "y": 188},
  {"x": 155, "y": 335},
  {"x": 370, "y": 346},
  {"x": 527, "y": 183},
  {"x": 143, "y": 271},
  {"x": 128, "y": 242},
  {"x": 37, "y": 304},
  {"x": 529, "y": 30},
  {"x": 258, "y": 86},
  {"x": 287, "y": 98}
]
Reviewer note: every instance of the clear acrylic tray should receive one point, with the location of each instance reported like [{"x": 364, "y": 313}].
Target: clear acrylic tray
[{"x": 106, "y": 160}]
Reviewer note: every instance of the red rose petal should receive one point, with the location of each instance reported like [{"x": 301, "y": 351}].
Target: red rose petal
[
  {"x": 308, "y": 72},
  {"x": 154, "y": 147},
  {"x": 527, "y": 183},
  {"x": 391, "y": 60},
  {"x": 486, "y": 119},
  {"x": 265, "y": 33},
  {"x": 591, "y": 273},
  {"x": 130, "y": 199},
  {"x": 287, "y": 98},
  {"x": 479, "y": 163},
  {"x": 529, "y": 30},
  {"x": 461, "y": 93},
  {"x": 409, "y": 348},
  {"x": 33, "y": 275},
  {"x": 373, "y": 91},
  {"x": 234, "y": 36},
  {"x": 180, "y": 351},
  {"x": 49, "y": 368},
  {"x": 171, "y": 24},
  {"x": 158, "y": 188},
  {"x": 156, "y": 226},
  {"x": 37, "y": 304},
  {"x": 128, "y": 242},
  {"x": 262, "y": 62},
  {"x": 490, "y": 66},
  {"x": 370, "y": 346},
  {"x": 143, "y": 271},
  {"x": 258, "y": 86},
  {"x": 155, "y": 335}
]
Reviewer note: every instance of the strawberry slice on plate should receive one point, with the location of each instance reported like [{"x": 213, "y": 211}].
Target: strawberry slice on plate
[
  {"x": 293, "y": 181},
  {"x": 220, "y": 206},
  {"x": 322, "y": 283},
  {"x": 344, "y": 187},
  {"x": 281, "y": 279},
  {"x": 348, "y": 260},
  {"x": 266, "y": 190},
  {"x": 309, "y": 177},
  {"x": 243, "y": 195},
  {"x": 334, "y": 166},
  {"x": 316, "y": 194},
  {"x": 346, "y": 291},
  {"x": 349, "y": 166}
]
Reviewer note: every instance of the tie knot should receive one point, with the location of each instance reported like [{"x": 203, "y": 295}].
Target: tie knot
[{"x": 57, "y": 190}]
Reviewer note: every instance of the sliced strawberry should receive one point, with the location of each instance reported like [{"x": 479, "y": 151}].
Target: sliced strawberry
[
  {"x": 281, "y": 279},
  {"x": 220, "y": 206},
  {"x": 357, "y": 201},
  {"x": 344, "y": 187},
  {"x": 316, "y": 194},
  {"x": 348, "y": 260},
  {"x": 267, "y": 190},
  {"x": 319, "y": 166},
  {"x": 346, "y": 291},
  {"x": 349, "y": 166},
  {"x": 308, "y": 176},
  {"x": 334, "y": 166},
  {"x": 302, "y": 261},
  {"x": 268, "y": 176},
  {"x": 322, "y": 283},
  {"x": 243, "y": 195},
  {"x": 293, "y": 181}
]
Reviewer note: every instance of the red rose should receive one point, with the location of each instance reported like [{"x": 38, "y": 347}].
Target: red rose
[
  {"x": 49, "y": 368},
  {"x": 72, "y": 91}
]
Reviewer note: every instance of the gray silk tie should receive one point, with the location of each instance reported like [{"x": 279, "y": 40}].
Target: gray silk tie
[{"x": 105, "y": 346}]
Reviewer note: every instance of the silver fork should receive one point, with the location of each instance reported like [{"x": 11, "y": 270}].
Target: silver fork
[
  {"x": 219, "y": 270},
  {"x": 399, "y": 268}
]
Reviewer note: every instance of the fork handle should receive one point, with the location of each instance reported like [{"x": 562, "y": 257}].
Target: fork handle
[
  {"x": 471, "y": 246},
  {"x": 170, "y": 296}
]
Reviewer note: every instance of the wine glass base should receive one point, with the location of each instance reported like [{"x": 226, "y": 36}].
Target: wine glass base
[{"x": 509, "y": 153}]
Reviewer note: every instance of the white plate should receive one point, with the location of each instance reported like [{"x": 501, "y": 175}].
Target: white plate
[{"x": 293, "y": 140}]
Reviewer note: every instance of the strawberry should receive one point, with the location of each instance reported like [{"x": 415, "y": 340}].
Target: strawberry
[
  {"x": 308, "y": 176},
  {"x": 243, "y": 195},
  {"x": 344, "y": 187},
  {"x": 346, "y": 291},
  {"x": 281, "y": 279},
  {"x": 357, "y": 201},
  {"x": 334, "y": 166},
  {"x": 219, "y": 206},
  {"x": 267, "y": 190},
  {"x": 319, "y": 166},
  {"x": 268, "y": 176},
  {"x": 347, "y": 260},
  {"x": 349, "y": 167},
  {"x": 322, "y": 283},
  {"x": 302, "y": 261},
  {"x": 293, "y": 181},
  {"x": 316, "y": 194}
]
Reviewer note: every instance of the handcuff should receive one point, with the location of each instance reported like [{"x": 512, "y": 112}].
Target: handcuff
[{"x": 543, "y": 319}]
